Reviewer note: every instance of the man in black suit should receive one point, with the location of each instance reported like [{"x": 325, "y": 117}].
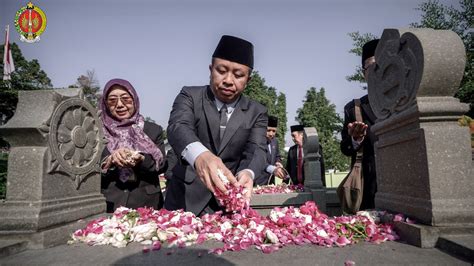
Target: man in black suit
[
  {"x": 295, "y": 159},
  {"x": 215, "y": 128},
  {"x": 273, "y": 164},
  {"x": 357, "y": 135}
]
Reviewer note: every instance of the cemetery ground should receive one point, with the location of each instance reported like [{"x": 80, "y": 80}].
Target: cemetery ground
[{"x": 387, "y": 253}]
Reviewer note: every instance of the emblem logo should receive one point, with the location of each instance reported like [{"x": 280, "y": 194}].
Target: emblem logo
[{"x": 30, "y": 22}]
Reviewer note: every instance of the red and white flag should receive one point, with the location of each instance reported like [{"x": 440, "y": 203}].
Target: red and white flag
[{"x": 8, "y": 66}]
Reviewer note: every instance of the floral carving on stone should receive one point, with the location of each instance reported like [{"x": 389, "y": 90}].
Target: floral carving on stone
[{"x": 75, "y": 140}]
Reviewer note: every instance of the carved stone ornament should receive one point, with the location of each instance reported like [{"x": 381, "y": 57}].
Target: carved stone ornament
[
  {"x": 75, "y": 139},
  {"x": 393, "y": 80},
  {"x": 411, "y": 63}
]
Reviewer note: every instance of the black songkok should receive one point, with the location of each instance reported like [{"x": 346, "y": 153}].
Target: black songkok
[
  {"x": 297, "y": 128},
  {"x": 272, "y": 121},
  {"x": 235, "y": 49},
  {"x": 368, "y": 50}
]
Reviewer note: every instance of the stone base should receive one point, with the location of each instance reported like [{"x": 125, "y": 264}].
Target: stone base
[
  {"x": 49, "y": 237},
  {"x": 425, "y": 236},
  {"x": 461, "y": 246},
  {"x": 34, "y": 216},
  {"x": 326, "y": 200},
  {"x": 264, "y": 203},
  {"x": 10, "y": 247},
  {"x": 333, "y": 205}
]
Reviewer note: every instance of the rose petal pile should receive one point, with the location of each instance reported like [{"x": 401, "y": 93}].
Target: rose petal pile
[
  {"x": 237, "y": 231},
  {"x": 233, "y": 200},
  {"x": 275, "y": 189}
]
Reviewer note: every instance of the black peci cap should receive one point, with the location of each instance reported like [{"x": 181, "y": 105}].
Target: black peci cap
[
  {"x": 235, "y": 49},
  {"x": 368, "y": 50},
  {"x": 272, "y": 121},
  {"x": 297, "y": 128}
]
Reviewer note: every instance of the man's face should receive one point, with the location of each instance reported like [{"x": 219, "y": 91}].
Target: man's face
[
  {"x": 228, "y": 79},
  {"x": 271, "y": 132},
  {"x": 367, "y": 63},
  {"x": 297, "y": 137}
]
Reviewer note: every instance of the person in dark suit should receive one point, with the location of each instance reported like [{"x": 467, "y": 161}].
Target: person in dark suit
[
  {"x": 133, "y": 157},
  {"x": 295, "y": 159},
  {"x": 273, "y": 164},
  {"x": 215, "y": 128},
  {"x": 357, "y": 135}
]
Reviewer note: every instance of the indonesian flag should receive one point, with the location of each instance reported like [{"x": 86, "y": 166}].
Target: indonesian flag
[{"x": 8, "y": 66}]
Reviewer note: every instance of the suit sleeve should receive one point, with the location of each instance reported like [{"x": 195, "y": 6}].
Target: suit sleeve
[
  {"x": 181, "y": 129},
  {"x": 254, "y": 154}
]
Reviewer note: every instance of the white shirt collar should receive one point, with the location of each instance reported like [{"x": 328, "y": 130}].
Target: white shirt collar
[{"x": 230, "y": 106}]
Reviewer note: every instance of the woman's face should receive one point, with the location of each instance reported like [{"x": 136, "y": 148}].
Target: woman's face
[{"x": 120, "y": 103}]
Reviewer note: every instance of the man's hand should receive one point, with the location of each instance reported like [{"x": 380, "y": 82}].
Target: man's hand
[
  {"x": 206, "y": 166},
  {"x": 245, "y": 179},
  {"x": 278, "y": 172},
  {"x": 357, "y": 130}
]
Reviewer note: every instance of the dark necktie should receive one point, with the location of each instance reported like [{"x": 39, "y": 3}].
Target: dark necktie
[
  {"x": 300, "y": 165},
  {"x": 223, "y": 123}
]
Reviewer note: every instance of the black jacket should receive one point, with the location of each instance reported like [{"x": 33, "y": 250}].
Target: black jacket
[
  {"x": 145, "y": 190},
  {"x": 273, "y": 157},
  {"x": 194, "y": 117},
  {"x": 292, "y": 165},
  {"x": 368, "y": 159}
]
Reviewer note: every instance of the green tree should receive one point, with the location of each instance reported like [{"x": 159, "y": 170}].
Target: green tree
[
  {"x": 90, "y": 86},
  {"x": 275, "y": 103},
  {"x": 317, "y": 111},
  {"x": 27, "y": 76},
  {"x": 437, "y": 16}
]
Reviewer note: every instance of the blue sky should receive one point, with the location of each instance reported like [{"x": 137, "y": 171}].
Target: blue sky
[{"x": 161, "y": 46}]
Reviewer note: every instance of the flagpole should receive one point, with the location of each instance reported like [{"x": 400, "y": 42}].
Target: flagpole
[{"x": 8, "y": 65}]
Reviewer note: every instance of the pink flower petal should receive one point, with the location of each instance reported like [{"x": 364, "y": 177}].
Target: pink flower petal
[
  {"x": 349, "y": 263},
  {"x": 398, "y": 218}
]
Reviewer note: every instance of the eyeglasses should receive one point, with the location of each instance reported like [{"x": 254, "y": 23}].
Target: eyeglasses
[{"x": 113, "y": 101}]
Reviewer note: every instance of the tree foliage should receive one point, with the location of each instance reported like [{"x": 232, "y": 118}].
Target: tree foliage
[
  {"x": 90, "y": 86},
  {"x": 317, "y": 111},
  {"x": 275, "y": 103},
  {"x": 28, "y": 75},
  {"x": 437, "y": 16}
]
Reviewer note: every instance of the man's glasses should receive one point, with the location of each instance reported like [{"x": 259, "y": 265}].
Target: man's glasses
[{"x": 113, "y": 100}]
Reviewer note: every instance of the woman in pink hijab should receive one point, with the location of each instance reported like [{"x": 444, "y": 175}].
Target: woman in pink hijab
[{"x": 133, "y": 158}]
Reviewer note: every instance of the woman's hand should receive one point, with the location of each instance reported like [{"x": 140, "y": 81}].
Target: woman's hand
[{"x": 126, "y": 158}]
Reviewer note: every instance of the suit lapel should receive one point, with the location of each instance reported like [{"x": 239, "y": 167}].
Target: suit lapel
[
  {"x": 212, "y": 116},
  {"x": 236, "y": 119}
]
